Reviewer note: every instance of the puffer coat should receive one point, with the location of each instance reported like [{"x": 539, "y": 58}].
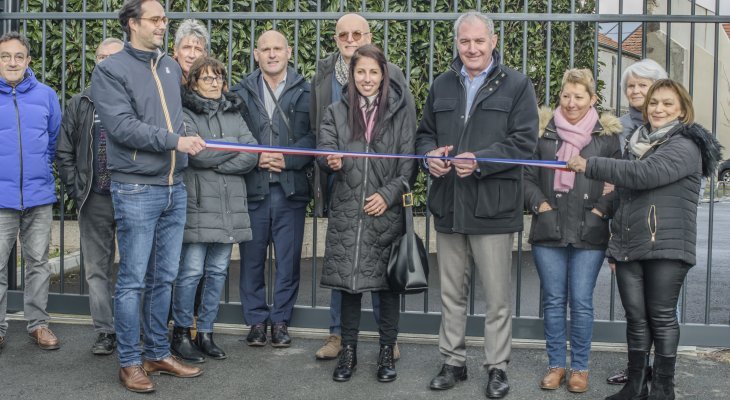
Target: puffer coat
[
  {"x": 658, "y": 195},
  {"x": 358, "y": 245},
  {"x": 570, "y": 222},
  {"x": 217, "y": 208}
]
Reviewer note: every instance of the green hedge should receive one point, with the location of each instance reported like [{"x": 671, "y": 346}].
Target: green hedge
[{"x": 68, "y": 74}]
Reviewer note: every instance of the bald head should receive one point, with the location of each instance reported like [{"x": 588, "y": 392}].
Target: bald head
[
  {"x": 351, "y": 32},
  {"x": 272, "y": 36},
  {"x": 273, "y": 54}
]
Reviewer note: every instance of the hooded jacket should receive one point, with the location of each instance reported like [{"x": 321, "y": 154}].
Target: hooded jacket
[
  {"x": 137, "y": 97},
  {"x": 217, "y": 210},
  {"x": 75, "y": 155},
  {"x": 31, "y": 119},
  {"x": 570, "y": 222},
  {"x": 502, "y": 123},
  {"x": 295, "y": 102},
  {"x": 358, "y": 245},
  {"x": 658, "y": 195}
]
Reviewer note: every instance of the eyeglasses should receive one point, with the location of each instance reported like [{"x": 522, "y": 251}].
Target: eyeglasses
[
  {"x": 210, "y": 79},
  {"x": 156, "y": 21},
  {"x": 356, "y": 35},
  {"x": 19, "y": 57}
]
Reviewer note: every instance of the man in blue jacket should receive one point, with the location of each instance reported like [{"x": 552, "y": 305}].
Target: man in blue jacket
[
  {"x": 31, "y": 118},
  {"x": 277, "y": 112},
  {"x": 137, "y": 97}
]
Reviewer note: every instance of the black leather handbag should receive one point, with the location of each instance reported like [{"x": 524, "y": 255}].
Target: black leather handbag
[{"x": 408, "y": 263}]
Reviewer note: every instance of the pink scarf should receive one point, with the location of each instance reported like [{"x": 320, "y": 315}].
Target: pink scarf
[{"x": 575, "y": 138}]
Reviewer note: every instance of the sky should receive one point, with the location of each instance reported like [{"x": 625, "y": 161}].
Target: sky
[{"x": 636, "y": 7}]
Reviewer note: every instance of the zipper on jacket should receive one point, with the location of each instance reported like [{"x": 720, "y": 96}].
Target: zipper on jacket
[
  {"x": 651, "y": 221},
  {"x": 170, "y": 129},
  {"x": 20, "y": 146},
  {"x": 356, "y": 268},
  {"x": 91, "y": 151},
  {"x": 197, "y": 191}
]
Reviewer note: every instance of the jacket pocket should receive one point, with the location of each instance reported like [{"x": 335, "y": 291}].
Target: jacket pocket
[
  {"x": 546, "y": 226},
  {"x": 497, "y": 198},
  {"x": 441, "y": 105},
  {"x": 594, "y": 229}
]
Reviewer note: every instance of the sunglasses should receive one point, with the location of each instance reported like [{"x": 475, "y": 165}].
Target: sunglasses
[{"x": 356, "y": 35}]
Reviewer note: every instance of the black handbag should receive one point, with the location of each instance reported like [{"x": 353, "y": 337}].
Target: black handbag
[{"x": 408, "y": 264}]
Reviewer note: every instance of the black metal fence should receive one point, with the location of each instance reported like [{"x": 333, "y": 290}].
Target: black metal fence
[{"x": 705, "y": 302}]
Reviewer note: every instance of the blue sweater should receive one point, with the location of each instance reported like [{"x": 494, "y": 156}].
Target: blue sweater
[{"x": 31, "y": 119}]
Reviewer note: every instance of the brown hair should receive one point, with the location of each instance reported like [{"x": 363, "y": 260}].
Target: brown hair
[
  {"x": 354, "y": 116},
  {"x": 685, "y": 101},
  {"x": 201, "y": 65},
  {"x": 583, "y": 76}
]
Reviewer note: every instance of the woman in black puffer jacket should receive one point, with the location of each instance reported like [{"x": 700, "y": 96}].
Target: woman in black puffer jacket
[
  {"x": 654, "y": 230},
  {"x": 365, "y": 215}
]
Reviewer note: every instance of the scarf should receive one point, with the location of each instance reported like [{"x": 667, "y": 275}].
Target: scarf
[
  {"x": 642, "y": 140},
  {"x": 575, "y": 138},
  {"x": 637, "y": 118},
  {"x": 341, "y": 73}
]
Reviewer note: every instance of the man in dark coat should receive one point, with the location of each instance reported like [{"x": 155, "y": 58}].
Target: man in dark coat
[
  {"x": 477, "y": 109},
  {"x": 276, "y": 111},
  {"x": 82, "y": 166},
  {"x": 351, "y": 32}
]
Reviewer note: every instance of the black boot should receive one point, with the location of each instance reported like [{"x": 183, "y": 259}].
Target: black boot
[
  {"x": 386, "y": 364},
  {"x": 662, "y": 387},
  {"x": 346, "y": 364},
  {"x": 635, "y": 388},
  {"x": 204, "y": 341},
  {"x": 183, "y": 347}
]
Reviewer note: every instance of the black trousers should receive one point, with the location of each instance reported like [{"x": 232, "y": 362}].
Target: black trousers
[
  {"x": 389, "y": 316},
  {"x": 649, "y": 291}
]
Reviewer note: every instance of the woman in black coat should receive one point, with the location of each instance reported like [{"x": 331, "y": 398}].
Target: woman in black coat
[
  {"x": 365, "y": 216},
  {"x": 654, "y": 230}
]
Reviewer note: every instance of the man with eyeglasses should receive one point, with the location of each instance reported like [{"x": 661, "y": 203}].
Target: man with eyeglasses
[
  {"x": 276, "y": 99},
  {"x": 137, "y": 96},
  {"x": 191, "y": 43},
  {"x": 29, "y": 127},
  {"x": 351, "y": 32},
  {"x": 82, "y": 167}
]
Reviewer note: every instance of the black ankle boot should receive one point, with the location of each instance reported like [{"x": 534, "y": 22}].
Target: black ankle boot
[
  {"x": 662, "y": 387},
  {"x": 346, "y": 364},
  {"x": 386, "y": 364},
  {"x": 635, "y": 388},
  {"x": 183, "y": 347},
  {"x": 204, "y": 341}
]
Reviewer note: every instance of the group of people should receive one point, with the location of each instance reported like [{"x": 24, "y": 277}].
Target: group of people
[{"x": 132, "y": 153}]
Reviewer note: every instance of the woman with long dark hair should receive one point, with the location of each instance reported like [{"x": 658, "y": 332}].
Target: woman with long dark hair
[{"x": 365, "y": 211}]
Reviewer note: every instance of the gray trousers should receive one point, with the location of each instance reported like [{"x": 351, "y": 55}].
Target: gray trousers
[
  {"x": 492, "y": 257},
  {"x": 34, "y": 227},
  {"x": 97, "y": 228}
]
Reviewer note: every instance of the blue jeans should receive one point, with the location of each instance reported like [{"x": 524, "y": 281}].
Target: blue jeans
[
  {"x": 567, "y": 273},
  {"x": 150, "y": 222},
  {"x": 336, "y": 311},
  {"x": 198, "y": 259}
]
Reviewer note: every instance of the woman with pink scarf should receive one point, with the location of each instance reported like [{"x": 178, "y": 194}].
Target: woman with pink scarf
[{"x": 569, "y": 232}]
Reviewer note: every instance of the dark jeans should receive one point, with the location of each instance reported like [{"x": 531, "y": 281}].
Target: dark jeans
[
  {"x": 649, "y": 291},
  {"x": 387, "y": 323}
]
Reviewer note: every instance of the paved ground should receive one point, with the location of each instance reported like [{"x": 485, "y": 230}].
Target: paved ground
[{"x": 72, "y": 372}]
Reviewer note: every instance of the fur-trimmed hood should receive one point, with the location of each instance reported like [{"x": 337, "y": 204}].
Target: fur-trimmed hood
[
  {"x": 710, "y": 148},
  {"x": 607, "y": 124},
  {"x": 199, "y": 105}
]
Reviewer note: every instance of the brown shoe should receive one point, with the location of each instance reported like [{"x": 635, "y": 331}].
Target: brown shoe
[
  {"x": 331, "y": 348},
  {"x": 553, "y": 379},
  {"x": 171, "y": 366},
  {"x": 135, "y": 379},
  {"x": 578, "y": 381},
  {"x": 45, "y": 339}
]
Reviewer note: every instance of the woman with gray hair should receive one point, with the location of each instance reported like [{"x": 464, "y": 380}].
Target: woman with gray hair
[{"x": 635, "y": 81}]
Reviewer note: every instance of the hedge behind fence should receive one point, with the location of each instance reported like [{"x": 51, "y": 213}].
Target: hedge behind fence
[{"x": 69, "y": 73}]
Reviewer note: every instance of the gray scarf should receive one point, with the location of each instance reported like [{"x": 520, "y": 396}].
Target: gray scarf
[
  {"x": 341, "y": 72},
  {"x": 642, "y": 139}
]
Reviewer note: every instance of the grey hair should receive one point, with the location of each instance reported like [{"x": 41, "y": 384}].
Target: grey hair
[
  {"x": 16, "y": 36},
  {"x": 192, "y": 27},
  {"x": 646, "y": 68},
  {"x": 471, "y": 15},
  {"x": 107, "y": 42}
]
